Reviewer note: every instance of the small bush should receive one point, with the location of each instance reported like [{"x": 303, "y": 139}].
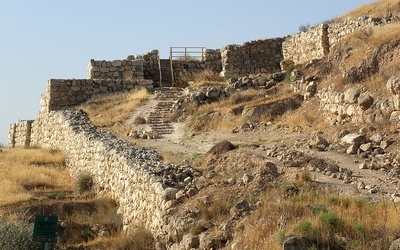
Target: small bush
[
  {"x": 17, "y": 236},
  {"x": 281, "y": 237},
  {"x": 364, "y": 34},
  {"x": 303, "y": 227},
  {"x": 304, "y": 27},
  {"x": 139, "y": 120},
  {"x": 85, "y": 183},
  {"x": 329, "y": 218}
]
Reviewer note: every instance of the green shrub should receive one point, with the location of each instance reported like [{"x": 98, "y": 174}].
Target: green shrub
[
  {"x": 85, "y": 183},
  {"x": 281, "y": 237},
  {"x": 303, "y": 227},
  {"x": 329, "y": 218},
  {"x": 17, "y": 236}
]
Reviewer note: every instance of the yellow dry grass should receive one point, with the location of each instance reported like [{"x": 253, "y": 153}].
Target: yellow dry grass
[
  {"x": 31, "y": 169},
  {"x": 111, "y": 110},
  {"x": 309, "y": 117},
  {"x": 375, "y": 9},
  {"x": 203, "y": 78}
]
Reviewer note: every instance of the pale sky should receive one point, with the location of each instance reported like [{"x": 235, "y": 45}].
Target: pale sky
[{"x": 46, "y": 39}]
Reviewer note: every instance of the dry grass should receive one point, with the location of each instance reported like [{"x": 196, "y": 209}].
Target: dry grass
[
  {"x": 112, "y": 110},
  {"x": 204, "y": 78},
  {"x": 375, "y": 9},
  {"x": 139, "y": 239},
  {"x": 31, "y": 169},
  {"x": 227, "y": 113},
  {"x": 317, "y": 215},
  {"x": 309, "y": 117}
]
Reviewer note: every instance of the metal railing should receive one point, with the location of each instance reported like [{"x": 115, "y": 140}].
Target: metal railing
[{"x": 187, "y": 53}]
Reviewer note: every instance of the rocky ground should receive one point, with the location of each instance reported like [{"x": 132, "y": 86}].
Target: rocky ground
[{"x": 282, "y": 147}]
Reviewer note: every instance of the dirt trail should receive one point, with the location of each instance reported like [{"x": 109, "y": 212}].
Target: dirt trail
[{"x": 186, "y": 144}]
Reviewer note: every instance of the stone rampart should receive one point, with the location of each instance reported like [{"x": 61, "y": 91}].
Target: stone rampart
[
  {"x": 116, "y": 69},
  {"x": 338, "y": 30},
  {"x": 20, "y": 134},
  {"x": 260, "y": 56},
  {"x": 65, "y": 93},
  {"x": 306, "y": 46},
  {"x": 144, "y": 186}
]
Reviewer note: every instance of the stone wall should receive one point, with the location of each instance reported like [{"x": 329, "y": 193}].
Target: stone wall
[
  {"x": 65, "y": 93},
  {"x": 117, "y": 69},
  {"x": 212, "y": 61},
  {"x": 338, "y": 30},
  {"x": 358, "y": 105},
  {"x": 316, "y": 42},
  {"x": 260, "y": 56},
  {"x": 20, "y": 134},
  {"x": 133, "y": 67},
  {"x": 144, "y": 186},
  {"x": 306, "y": 46}
]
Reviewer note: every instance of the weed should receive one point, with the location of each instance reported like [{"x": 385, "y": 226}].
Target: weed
[
  {"x": 329, "y": 218},
  {"x": 305, "y": 175},
  {"x": 17, "y": 235},
  {"x": 281, "y": 237},
  {"x": 304, "y": 27},
  {"x": 139, "y": 120},
  {"x": 85, "y": 182},
  {"x": 303, "y": 227}
]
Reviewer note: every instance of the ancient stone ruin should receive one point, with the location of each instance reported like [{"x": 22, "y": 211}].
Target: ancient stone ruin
[{"x": 144, "y": 186}]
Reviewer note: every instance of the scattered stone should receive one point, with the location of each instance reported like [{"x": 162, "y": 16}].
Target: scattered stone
[
  {"x": 366, "y": 147},
  {"x": 246, "y": 178},
  {"x": 365, "y": 101},
  {"x": 353, "y": 139},
  {"x": 395, "y": 245},
  {"x": 297, "y": 243},
  {"x": 190, "y": 241},
  {"x": 352, "y": 150},
  {"x": 170, "y": 193},
  {"x": 363, "y": 166},
  {"x": 385, "y": 144}
]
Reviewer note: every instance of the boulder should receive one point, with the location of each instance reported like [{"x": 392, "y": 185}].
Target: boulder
[
  {"x": 170, "y": 193},
  {"x": 190, "y": 241},
  {"x": 213, "y": 93},
  {"x": 297, "y": 243},
  {"x": 353, "y": 139},
  {"x": 351, "y": 95},
  {"x": 366, "y": 147},
  {"x": 365, "y": 101},
  {"x": 393, "y": 85}
]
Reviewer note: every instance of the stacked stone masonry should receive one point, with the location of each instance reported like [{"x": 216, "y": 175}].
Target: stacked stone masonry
[
  {"x": 306, "y": 46},
  {"x": 65, "y": 93},
  {"x": 117, "y": 69},
  {"x": 134, "y": 177},
  {"x": 20, "y": 134},
  {"x": 260, "y": 56}
]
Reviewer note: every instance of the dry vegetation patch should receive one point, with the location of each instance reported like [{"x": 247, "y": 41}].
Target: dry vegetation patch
[
  {"x": 328, "y": 219},
  {"x": 375, "y": 9},
  {"x": 31, "y": 169},
  {"x": 112, "y": 110}
]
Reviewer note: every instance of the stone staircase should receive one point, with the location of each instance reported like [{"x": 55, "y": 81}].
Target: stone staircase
[
  {"x": 166, "y": 75},
  {"x": 158, "y": 118}
]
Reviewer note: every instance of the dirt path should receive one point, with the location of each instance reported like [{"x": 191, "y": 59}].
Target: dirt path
[{"x": 186, "y": 144}]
